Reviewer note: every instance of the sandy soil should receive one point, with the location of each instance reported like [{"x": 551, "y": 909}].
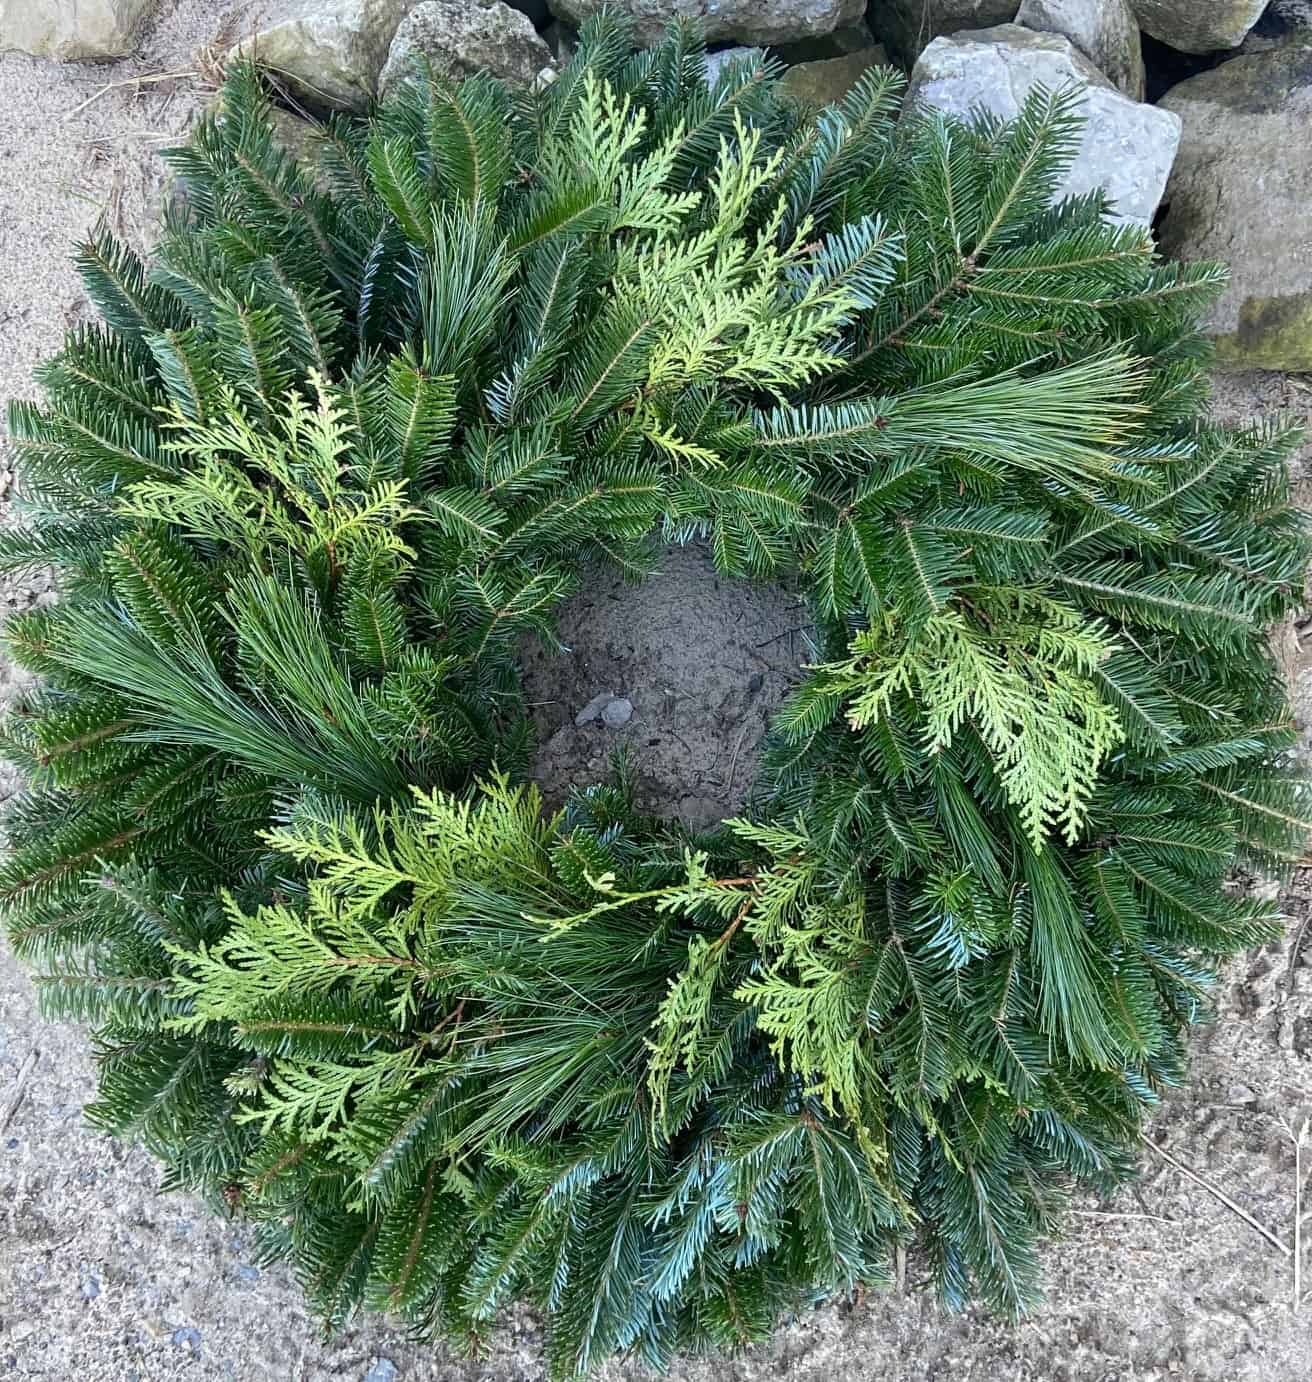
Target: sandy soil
[
  {"x": 103, "y": 1280},
  {"x": 702, "y": 662}
]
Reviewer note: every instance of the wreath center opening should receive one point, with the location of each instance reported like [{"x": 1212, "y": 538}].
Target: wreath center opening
[{"x": 681, "y": 672}]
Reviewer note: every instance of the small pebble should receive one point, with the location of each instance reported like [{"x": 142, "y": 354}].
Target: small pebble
[
  {"x": 188, "y": 1338},
  {"x": 617, "y": 713},
  {"x": 90, "y": 1287},
  {"x": 384, "y": 1370},
  {"x": 12, "y": 1143},
  {"x": 594, "y": 707}
]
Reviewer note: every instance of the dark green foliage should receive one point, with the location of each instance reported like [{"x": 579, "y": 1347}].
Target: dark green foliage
[{"x": 354, "y": 432}]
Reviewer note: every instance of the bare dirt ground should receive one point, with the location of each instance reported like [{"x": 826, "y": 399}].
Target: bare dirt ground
[
  {"x": 695, "y": 666},
  {"x": 103, "y": 1280}
]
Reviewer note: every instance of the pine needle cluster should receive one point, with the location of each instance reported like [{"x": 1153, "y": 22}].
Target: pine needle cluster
[{"x": 356, "y": 430}]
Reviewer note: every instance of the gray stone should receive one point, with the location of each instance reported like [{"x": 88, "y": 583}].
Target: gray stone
[
  {"x": 1126, "y": 147},
  {"x": 1198, "y": 26},
  {"x": 189, "y": 1338},
  {"x": 822, "y": 83},
  {"x": 1105, "y": 31},
  {"x": 1281, "y": 24},
  {"x": 461, "y": 37},
  {"x": 72, "y": 30},
  {"x": 301, "y": 138},
  {"x": 617, "y": 714},
  {"x": 746, "y": 21},
  {"x": 1240, "y": 191},
  {"x": 594, "y": 707},
  {"x": 907, "y": 27},
  {"x": 716, "y": 62},
  {"x": 1296, "y": 14},
  {"x": 538, "y": 13},
  {"x": 330, "y": 52}
]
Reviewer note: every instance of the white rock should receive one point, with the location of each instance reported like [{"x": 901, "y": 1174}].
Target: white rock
[
  {"x": 746, "y": 21},
  {"x": 1105, "y": 31},
  {"x": 594, "y": 707},
  {"x": 1126, "y": 148},
  {"x": 1198, "y": 26},
  {"x": 617, "y": 714},
  {"x": 329, "y": 51},
  {"x": 72, "y": 29},
  {"x": 461, "y": 37}
]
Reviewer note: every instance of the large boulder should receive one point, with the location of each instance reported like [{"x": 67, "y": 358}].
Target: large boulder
[
  {"x": 70, "y": 30},
  {"x": 742, "y": 21},
  {"x": 828, "y": 80},
  {"x": 461, "y": 37},
  {"x": 536, "y": 10},
  {"x": 1126, "y": 147},
  {"x": 1198, "y": 26},
  {"x": 1297, "y": 14},
  {"x": 1105, "y": 31},
  {"x": 1240, "y": 191},
  {"x": 1269, "y": 33},
  {"x": 824, "y": 82},
  {"x": 1282, "y": 23},
  {"x": 330, "y": 52},
  {"x": 906, "y": 27},
  {"x": 301, "y": 138}
]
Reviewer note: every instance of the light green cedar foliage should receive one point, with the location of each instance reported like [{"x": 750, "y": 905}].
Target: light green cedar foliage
[{"x": 353, "y": 433}]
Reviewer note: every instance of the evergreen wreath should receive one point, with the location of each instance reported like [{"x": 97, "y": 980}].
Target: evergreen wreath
[{"x": 354, "y": 432}]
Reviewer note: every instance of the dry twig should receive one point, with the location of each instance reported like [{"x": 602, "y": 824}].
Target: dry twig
[
  {"x": 1299, "y": 1138},
  {"x": 1123, "y": 1214},
  {"x": 10, "y": 1106},
  {"x": 733, "y": 762},
  {"x": 1218, "y": 1194},
  {"x": 147, "y": 79},
  {"x": 1295, "y": 949}
]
